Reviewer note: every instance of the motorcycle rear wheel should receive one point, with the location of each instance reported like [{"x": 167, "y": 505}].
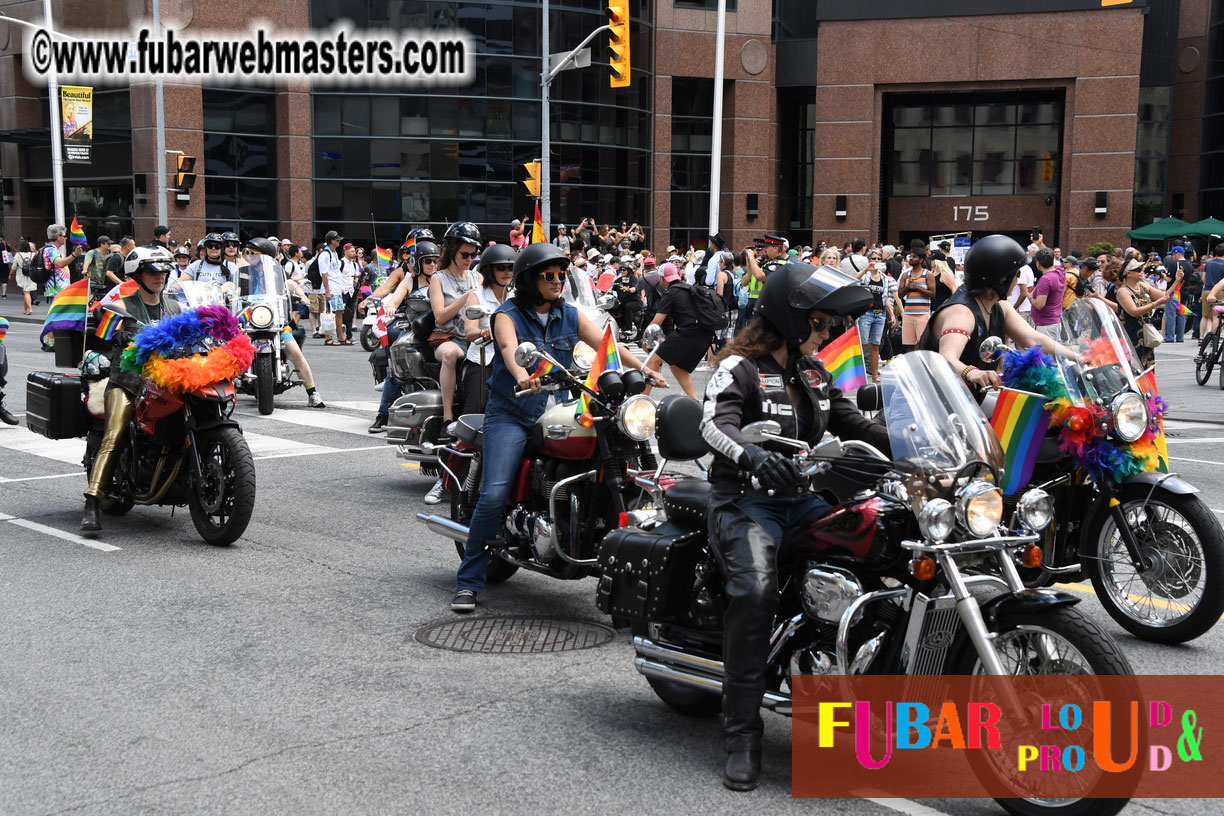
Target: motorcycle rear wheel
[
  {"x": 265, "y": 382},
  {"x": 222, "y": 505},
  {"x": 498, "y": 571},
  {"x": 1188, "y": 543},
  {"x": 688, "y": 701},
  {"x": 368, "y": 341}
]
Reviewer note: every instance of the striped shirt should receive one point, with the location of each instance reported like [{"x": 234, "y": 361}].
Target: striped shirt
[{"x": 916, "y": 303}]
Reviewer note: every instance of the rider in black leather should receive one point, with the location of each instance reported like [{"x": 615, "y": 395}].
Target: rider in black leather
[{"x": 767, "y": 373}]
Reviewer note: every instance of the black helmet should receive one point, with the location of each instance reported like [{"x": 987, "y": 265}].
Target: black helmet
[
  {"x": 426, "y": 249},
  {"x": 796, "y": 290},
  {"x": 461, "y": 232},
  {"x": 533, "y": 258},
  {"x": 213, "y": 238},
  {"x": 496, "y": 254},
  {"x": 229, "y": 236},
  {"x": 992, "y": 263},
  {"x": 263, "y": 246},
  {"x": 421, "y": 232}
]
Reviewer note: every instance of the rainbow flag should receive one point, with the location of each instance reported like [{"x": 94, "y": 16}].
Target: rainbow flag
[
  {"x": 607, "y": 358},
  {"x": 75, "y": 234},
  {"x": 1175, "y": 296},
  {"x": 4, "y": 324},
  {"x": 383, "y": 256},
  {"x": 107, "y": 324},
  {"x": 411, "y": 244},
  {"x": 537, "y": 228},
  {"x": 68, "y": 309},
  {"x": 1020, "y": 420},
  {"x": 843, "y": 356},
  {"x": 1147, "y": 383},
  {"x": 543, "y": 367}
]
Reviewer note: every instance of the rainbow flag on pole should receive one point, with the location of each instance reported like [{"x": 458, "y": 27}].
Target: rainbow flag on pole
[
  {"x": 410, "y": 243},
  {"x": 1147, "y": 383},
  {"x": 107, "y": 324},
  {"x": 68, "y": 309},
  {"x": 843, "y": 356},
  {"x": 543, "y": 367},
  {"x": 1020, "y": 420},
  {"x": 1175, "y": 296},
  {"x": 383, "y": 256},
  {"x": 75, "y": 234},
  {"x": 607, "y": 358}
]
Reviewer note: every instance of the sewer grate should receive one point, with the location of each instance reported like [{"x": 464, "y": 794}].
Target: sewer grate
[{"x": 514, "y": 635}]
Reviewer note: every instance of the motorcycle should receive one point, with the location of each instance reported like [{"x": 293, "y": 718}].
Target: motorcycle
[
  {"x": 181, "y": 448},
  {"x": 262, "y": 305},
  {"x": 877, "y": 586},
  {"x": 575, "y": 478},
  {"x": 1151, "y": 547},
  {"x": 369, "y": 341}
]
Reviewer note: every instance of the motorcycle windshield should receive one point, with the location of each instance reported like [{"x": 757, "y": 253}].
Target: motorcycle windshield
[
  {"x": 579, "y": 291},
  {"x": 194, "y": 294},
  {"x": 263, "y": 281},
  {"x": 1107, "y": 363},
  {"x": 935, "y": 427}
]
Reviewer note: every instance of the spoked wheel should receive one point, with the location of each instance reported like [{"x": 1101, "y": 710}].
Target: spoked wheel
[
  {"x": 221, "y": 504},
  {"x": 462, "y": 503},
  {"x": 1056, "y": 641},
  {"x": 265, "y": 382},
  {"x": 1182, "y": 595},
  {"x": 1206, "y": 359}
]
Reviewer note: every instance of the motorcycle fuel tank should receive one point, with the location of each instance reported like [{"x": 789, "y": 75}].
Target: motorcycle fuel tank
[
  {"x": 558, "y": 435},
  {"x": 866, "y": 531}
]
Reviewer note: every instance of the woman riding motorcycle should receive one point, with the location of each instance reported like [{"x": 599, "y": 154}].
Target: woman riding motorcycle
[
  {"x": 767, "y": 372},
  {"x": 496, "y": 272},
  {"x": 537, "y": 313},
  {"x": 447, "y": 296},
  {"x": 150, "y": 267}
]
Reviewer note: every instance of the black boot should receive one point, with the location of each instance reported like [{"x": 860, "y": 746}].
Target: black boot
[
  {"x": 380, "y": 424},
  {"x": 90, "y": 523},
  {"x": 5, "y": 415},
  {"x": 743, "y": 770}
]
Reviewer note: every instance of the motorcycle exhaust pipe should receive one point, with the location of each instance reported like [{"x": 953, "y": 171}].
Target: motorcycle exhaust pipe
[
  {"x": 653, "y": 651},
  {"x": 444, "y": 526},
  {"x": 773, "y": 701}
]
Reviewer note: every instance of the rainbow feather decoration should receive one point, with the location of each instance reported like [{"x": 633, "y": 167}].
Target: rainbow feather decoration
[
  {"x": 156, "y": 351},
  {"x": 4, "y": 324}
]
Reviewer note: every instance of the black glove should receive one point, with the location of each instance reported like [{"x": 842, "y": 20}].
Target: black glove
[
  {"x": 773, "y": 470},
  {"x": 122, "y": 338}
]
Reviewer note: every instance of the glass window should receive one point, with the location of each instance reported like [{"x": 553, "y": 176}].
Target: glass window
[
  {"x": 384, "y": 116},
  {"x": 912, "y": 116},
  {"x": 995, "y": 114},
  {"x": 996, "y": 143},
  {"x": 993, "y": 177},
  {"x": 911, "y": 144},
  {"x": 414, "y": 203},
  {"x": 327, "y": 116},
  {"x": 355, "y": 115},
  {"x": 907, "y": 180},
  {"x": 1042, "y": 113},
  {"x": 953, "y": 115},
  {"x": 949, "y": 144}
]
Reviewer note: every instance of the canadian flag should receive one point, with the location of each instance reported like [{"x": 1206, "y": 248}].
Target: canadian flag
[
  {"x": 380, "y": 327},
  {"x": 118, "y": 293}
]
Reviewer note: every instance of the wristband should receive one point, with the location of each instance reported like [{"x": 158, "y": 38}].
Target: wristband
[
  {"x": 956, "y": 331},
  {"x": 966, "y": 371}
]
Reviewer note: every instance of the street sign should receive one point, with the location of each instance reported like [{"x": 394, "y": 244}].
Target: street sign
[{"x": 582, "y": 59}]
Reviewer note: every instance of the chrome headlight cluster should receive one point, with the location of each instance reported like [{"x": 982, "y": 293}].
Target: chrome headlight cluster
[
  {"x": 1035, "y": 510},
  {"x": 979, "y": 506},
  {"x": 636, "y": 417},
  {"x": 1130, "y": 416},
  {"x": 937, "y": 519},
  {"x": 584, "y": 357},
  {"x": 261, "y": 317}
]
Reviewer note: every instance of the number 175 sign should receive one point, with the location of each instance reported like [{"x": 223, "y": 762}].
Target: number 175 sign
[{"x": 967, "y": 213}]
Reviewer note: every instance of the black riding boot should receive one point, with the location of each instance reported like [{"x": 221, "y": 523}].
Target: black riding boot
[
  {"x": 90, "y": 522},
  {"x": 5, "y": 415}
]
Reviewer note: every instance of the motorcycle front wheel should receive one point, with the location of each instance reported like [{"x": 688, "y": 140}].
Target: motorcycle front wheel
[
  {"x": 1053, "y": 641},
  {"x": 1182, "y": 595},
  {"x": 221, "y": 504},
  {"x": 265, "y": 381}
]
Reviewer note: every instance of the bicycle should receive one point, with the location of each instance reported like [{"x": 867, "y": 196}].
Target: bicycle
[{"x": 1210, "y": 352}]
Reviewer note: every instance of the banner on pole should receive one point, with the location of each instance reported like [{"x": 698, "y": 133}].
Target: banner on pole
[{"x": 76, "y": 106}]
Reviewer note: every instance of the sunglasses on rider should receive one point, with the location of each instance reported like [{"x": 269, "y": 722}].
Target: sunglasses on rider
[
  {"x": 503, "y": 267},
  {"x": 233, "y": 243},
  {"x": 211, "y": 245},
  {"x": 819, "y": 324},
  {"x": 466, "y": 255},
  {"x": 553, "y": 275}
]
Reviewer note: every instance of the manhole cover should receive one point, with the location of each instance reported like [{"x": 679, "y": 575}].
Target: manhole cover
[{"x": 514, "y": 635}]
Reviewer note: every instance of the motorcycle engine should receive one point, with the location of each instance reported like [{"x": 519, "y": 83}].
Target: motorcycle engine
[
  {"x": 536, "y": 528},
  {"x": 827, "y": 592}
]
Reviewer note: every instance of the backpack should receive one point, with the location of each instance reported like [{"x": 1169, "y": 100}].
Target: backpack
[
  {"x": 711, "y": 311},
  {"x": 313, "y": 275},
  {"x": 741, "y": 293},
  {"x": 39, "y": 271}
]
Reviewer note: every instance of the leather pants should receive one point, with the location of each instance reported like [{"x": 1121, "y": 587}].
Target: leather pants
[{"x": 120, "y": 407}]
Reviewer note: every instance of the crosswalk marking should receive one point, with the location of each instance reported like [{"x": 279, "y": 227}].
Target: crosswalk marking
[
  {"x": 22, "y": 440},
  {"x": 263, "y": 446},
  {"x": 322, "y": 420}
]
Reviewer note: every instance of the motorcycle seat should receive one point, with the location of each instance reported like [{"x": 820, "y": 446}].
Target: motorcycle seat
[
  {"x": 687, "y": 501},
  {"x": 470, "y": 428}
]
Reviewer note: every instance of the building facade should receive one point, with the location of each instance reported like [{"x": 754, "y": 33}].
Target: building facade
[{"x": 886, "y": 119}]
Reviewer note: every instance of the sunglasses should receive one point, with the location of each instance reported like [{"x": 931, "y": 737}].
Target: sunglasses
[
  {"x": 819, "y": 324},
  {"x": 233, "y": 244},
  {"x": 466, "y": 255},
  {"x": 553, "y": 275},
  {"x": 503, "y": 267}
]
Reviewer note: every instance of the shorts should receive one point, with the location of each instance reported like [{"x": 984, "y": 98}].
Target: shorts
[
  {"x": 912, "y": 327},
  {"x": 686, "y": 348},
  {"x": 1054, "y": 330},
  {"x": 317, "y": 302},
  {"x": 337, "y": 303},
  {"x": 871, "y": 327},
  {"x": 1028, "y": 317}
]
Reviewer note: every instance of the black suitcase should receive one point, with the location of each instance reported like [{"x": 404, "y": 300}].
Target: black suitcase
[
  {"x": 53, "y": 405},
  {"x": 648, "y": 575}
]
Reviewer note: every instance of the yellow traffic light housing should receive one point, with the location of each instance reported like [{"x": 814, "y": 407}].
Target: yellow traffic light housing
[
  {"x": 618, "y": 43},
  {"x": 533, "y": 178},
  {"x": 185, "y": 177}
]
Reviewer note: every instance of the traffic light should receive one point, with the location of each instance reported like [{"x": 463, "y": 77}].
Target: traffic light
[
  {"x": 185, "y": 178},
  {"x": 533, "y": 178},
  {"x": 618, "y": 43}
]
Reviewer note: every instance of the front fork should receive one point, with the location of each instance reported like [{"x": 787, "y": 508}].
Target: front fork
[{"x": 1141, "y": 562}]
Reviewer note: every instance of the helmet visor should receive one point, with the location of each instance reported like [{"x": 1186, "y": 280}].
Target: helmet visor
[{"x": 822, "y": 282}]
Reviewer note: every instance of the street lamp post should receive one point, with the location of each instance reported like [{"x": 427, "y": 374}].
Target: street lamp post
[
  {"x": 716, "y": 125},
  {"x": 57, "y": 134}
]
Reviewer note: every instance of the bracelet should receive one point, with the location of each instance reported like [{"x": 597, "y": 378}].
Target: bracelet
[
  {"x": 956, "y": 331},
  {"x": 966, "y": 371}
]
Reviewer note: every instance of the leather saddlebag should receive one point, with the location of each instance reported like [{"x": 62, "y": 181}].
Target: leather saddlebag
[{"x": 648, "y": 575}]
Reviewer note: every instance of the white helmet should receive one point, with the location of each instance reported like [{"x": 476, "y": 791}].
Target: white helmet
[{"x": 148, "y": 257}]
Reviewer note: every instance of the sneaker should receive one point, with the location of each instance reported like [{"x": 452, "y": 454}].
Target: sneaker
[
  {"x": 379, "y": 386},
  {"x": 434, "y": 496},
  {"x": 464, "y": 601},
  {"x": 317, "y": 335},
  {"x": 314, "y": 400},
  {"x": 380, "y": 424}
]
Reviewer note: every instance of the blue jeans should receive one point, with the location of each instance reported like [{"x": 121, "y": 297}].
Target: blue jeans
[
  {"x": 392, "y": 387},
  {"x": 871, "y": 328},
  {"x": 500, "y": 464},
  {"x": 783, "y": 516},
  {"x": 1173, "y": 320}
]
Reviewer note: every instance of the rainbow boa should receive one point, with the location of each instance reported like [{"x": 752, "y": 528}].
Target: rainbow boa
[
  {"x": 157, "y": 351},
  {"x": 1079, "y": 426}
]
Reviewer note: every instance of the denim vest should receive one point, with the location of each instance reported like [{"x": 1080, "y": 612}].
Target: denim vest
[{"x": 558, "y": 339}]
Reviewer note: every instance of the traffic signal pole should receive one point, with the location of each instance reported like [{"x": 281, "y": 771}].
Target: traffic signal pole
[{"x": 716, "y": 124}]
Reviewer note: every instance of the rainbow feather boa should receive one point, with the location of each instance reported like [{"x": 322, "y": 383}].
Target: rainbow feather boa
[
  {"x": 162, "y": 351},
  {"x": 1079, "y": 426}
]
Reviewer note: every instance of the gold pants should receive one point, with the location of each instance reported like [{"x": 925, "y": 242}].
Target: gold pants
[{"x": 120, "y": 407}]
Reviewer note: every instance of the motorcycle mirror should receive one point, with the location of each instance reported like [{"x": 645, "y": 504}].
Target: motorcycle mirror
[
  {"x": 527, "y": 354},
  {"x": 651, "y": 337},
  {"x": 870, "y": 397},
  {"x": 755, "y": 433},
  {"x": 992, "y": 348},
  {"x": 606, "y": 302},
  {"x": 476, "y": 312}
]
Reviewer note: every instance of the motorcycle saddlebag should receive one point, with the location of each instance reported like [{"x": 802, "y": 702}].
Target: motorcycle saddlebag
[
  {"x": 53, "y": 405},
  {"x": 648, "y": 574}
]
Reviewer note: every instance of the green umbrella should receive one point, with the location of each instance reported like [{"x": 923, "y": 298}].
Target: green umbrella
[
  {"x": 1161, "y": 230},
  {"x": 1206, "y": 228}
]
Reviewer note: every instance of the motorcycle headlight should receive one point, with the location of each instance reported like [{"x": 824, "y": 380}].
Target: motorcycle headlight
[
  {"x": 261, "y": 317},
  {"x": 1035, "y": 510},
  {"x": 1130, "y": 416},
  {"x": 584, "y": 357},
  {"x": 937, "y": 519},
  {"x": 980, "y": 506},
  {"x": 637, "y": 418}
]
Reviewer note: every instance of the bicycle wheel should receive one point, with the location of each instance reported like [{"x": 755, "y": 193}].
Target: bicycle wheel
[{"x": 1209, "y": 349}]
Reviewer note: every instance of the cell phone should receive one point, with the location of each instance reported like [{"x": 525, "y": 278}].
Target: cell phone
[
  {"x": 880, "y": 266},
  {"x": 1035, "y": 233}
]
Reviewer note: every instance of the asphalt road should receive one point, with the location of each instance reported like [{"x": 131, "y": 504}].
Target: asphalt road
[{"x": 281, "y": 674}]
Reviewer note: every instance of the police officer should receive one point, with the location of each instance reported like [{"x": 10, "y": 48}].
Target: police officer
[
  {"x": 767, "y": 372},
  {"x": 774, "y": 248}
]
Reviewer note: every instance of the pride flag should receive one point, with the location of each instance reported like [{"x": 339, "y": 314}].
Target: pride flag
[
  {"x": 537, "y": 228},
  {"x": 410, "y": 243},
  {"x": 844, "y": 359},
  {"x": 75, "y": 234},
  {"x": 4, "y": 324},
  {"x": 67, "y": 312},
  {"x": 1020, "y": 420},
  {"x": 1147, "y": 384},
  {"x": 1175, "y": 296},
  {"x": 106, "y": 325},
  {"x": 607, "y": 358},
  {"x": 383, "y": 256},
  {"x": 543, "y": 367}
]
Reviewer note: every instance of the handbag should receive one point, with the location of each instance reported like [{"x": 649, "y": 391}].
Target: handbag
[
  {"x": 437, "y": 338},
  {"x": 1149, "y": 337}
]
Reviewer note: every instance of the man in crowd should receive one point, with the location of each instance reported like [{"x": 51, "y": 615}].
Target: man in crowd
[
  {"x": 1047, "y": 294},
  {"x": 562, "y": 241},
  {"x": 854, "y": 263},
  {"x": 1023, "y": 288},
  {"x": 1212, "y": 273},
  {"x": 95, "y": 267},
  {"x": 333, "y": 285},
  {"x": 161, "y": 233},
  {"x": 1177, "y": 270},
  {"x": 114, "y": 263}
]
